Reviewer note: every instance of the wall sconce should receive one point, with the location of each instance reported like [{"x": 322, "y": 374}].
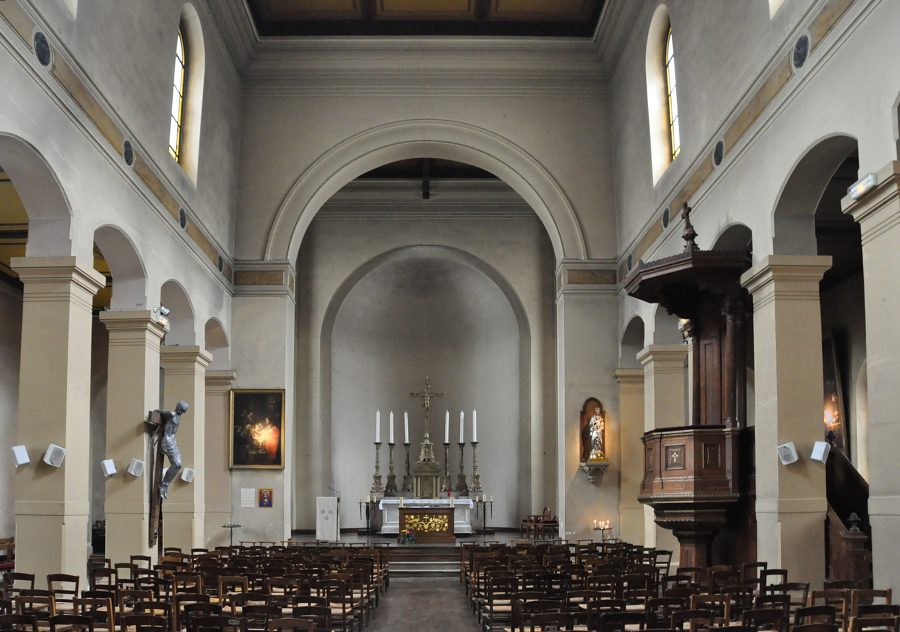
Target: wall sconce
[
  {"x": 20, "y": 455},
  {"x": 54, "y": 455}
]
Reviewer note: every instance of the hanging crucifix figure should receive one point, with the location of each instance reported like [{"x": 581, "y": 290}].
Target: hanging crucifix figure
[
  {"x": 162, "y": 426},
  {"x": 427, "y": 395}
]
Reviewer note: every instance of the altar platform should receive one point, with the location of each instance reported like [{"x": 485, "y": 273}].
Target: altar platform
[{"x": 463, "y": 512}]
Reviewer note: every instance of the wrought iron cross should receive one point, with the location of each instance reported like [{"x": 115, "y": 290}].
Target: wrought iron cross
[{"x": 427, "y": 395}]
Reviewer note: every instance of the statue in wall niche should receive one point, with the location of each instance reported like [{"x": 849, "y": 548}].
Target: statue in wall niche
[
  {"x": 165, "y": 423},
  {"x": 592, "y": 431}
]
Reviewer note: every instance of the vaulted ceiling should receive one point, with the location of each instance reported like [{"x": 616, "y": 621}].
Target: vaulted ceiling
[{"x": 535, "y": 18}]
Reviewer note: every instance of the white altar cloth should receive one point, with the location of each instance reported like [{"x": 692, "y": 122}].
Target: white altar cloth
[{"x": 462, "y": 515}]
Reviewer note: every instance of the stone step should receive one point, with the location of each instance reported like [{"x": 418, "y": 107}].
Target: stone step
[{"x": 424, "y": 569}]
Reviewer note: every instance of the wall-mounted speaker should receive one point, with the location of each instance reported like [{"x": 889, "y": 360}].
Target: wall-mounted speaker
[
  {"x": 787, "y": 453},
  {"x": 820, "y": 451},
  {"x": 109, "y": 467},
  {"x": 187, "y": 475},
  {"x": 54, "y": 455},
  {"x": 20, "y": 455},
  {"x": 135, "y": 467}
]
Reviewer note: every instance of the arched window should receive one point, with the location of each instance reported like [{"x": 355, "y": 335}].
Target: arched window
[
  {"x": 179, "y": 82},
  {"x": 672, "y": 97}
]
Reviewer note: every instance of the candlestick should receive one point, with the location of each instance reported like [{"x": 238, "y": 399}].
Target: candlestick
[
  {"x": 476, "y": 479},
  {"x": 474, "y": 427},
  {"x": 377, "y": 487},
  {"x": 391, "y": 429},
  {"x": 405, "y": 427},
  {"x": 446, "y": 486},
  {"x": 377, "y": 426},
  {"x": 391, "y": 488},
  {"x": 407, "y": 481},
  {"x": 462, "y": 487}
]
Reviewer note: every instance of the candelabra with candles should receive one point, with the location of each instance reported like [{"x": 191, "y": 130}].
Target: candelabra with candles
[
  {"x": 377, "y": 487},
  {"x": 603, "y": 527},
  {"x": 407, "y": 481},
  {"x": 476, "y": 479},
  {"x": 446, "y": 486},
  {"x": 391, "y": 487},
  {"x": 462, "y": 487}
]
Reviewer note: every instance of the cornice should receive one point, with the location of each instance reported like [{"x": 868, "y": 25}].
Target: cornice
[
  {"x": 618, "y": 28},
  {"x": 236, "y": 30}
]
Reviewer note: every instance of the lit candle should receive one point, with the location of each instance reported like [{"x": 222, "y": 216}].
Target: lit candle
[
  {"x": 391, "y": 429},
  {"x": 405, "y": 427},
  {"x": 447, "y": 429},
  {"x": 377, "y": 426},
  {"x": 461, "y": 426},
  {"x": 474, "y": 427}
]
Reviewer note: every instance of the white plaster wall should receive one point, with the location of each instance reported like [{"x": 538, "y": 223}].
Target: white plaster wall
[
  {"x": 10, "y": 344},
  {"x": 336, "y": 246},
  {"x": 423, "y": 314},
  {"x": 128, "y": 51}
]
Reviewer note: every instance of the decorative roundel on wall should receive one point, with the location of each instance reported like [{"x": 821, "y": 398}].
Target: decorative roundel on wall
[
  {"x": 628, "y": 263},
  {"x": 220, "y": 263},
  {"x": 182, "y": 218},
  {"x": 801, "y": 51},
  {"x": 719, "y": 153},
  {"x": 666, "y": 218},
  {"x": 128, "y": 153},
  {"x": 42, "y": 49}
]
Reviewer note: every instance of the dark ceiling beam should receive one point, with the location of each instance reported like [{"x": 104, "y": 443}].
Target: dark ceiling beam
[{"x": 425, "y": 164}]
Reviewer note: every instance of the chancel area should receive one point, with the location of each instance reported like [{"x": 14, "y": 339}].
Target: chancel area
[{"x": 459, "y": 315}]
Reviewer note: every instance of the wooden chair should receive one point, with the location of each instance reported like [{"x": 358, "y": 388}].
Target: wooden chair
[
  {"x": 815, "y": 614},
  {"x": 143, "y": 623},
  {"x": 18, "y": 623},
  {"x": 99, "y": 609},
  {"x": 659, "y": 610},
  {"x": 859, "y": 624},
  {"x": 319, "y": 615},
  {"x": 71, "y": 623},
  {"x": 868, "y": 596},
  {"x": 694, "y": 618},
  {"x": 64, "y": 588},
  {"x": 719, "y": 605},
  {"x": 796, "y": 592},
  {"x": 839, "y": 598},
  {"x": 816, "y": 627},
  {"x": 612, "y": 621},
  {"x": 191, "y": 611},
  {"x": 771, "y": 576},
  {"x": 39, "y": 604},
  {"x": 220, "y": 623},
  {"x": 765, "y": 619},
  {"x": 291, "y": 625},
  {"x": 230, "y": 584},
  {"x": 258, "y": 616},
  {"x": 18, "y": 582}
]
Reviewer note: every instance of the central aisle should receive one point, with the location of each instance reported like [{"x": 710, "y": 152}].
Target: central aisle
[{"x": 421, "y": 604}]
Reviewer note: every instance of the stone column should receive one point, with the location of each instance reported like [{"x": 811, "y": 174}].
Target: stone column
[
  {"x": 631, "y": 451},
  {"x": 787, "y": 339},
  {"x": 185, "y": 379},
  {"x": 878, "y": 214},
  {"x": 665, "y": 405},
  {"x": 217, "y": 474},
  {"x": 52, "y": 505},
  {"x": 132, "y": 391}
]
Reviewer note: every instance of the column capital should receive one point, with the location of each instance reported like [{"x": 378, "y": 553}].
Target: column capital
[
  {"x": 785, "y": 277},
  {"x": 629, "y": 376},
  {"x": 593, "y": 276},
  {"x": 119, "y": 322},
  {"x": 56, "y": 277},
  {"x": 177, "y": 355},
  {"x": 879, "y": 209},
  {"x": 662, "y": 354},
  {"x": 220, "y": 381}
]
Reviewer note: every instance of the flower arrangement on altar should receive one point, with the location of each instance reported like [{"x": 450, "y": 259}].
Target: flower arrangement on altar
[{"x": 407, "y": 536}]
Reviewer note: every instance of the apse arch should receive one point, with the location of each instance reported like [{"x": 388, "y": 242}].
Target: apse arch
[
  {"x": 181, "y": 314},
  {"x": 125, "y": 264},
  {"x": 424, "y": 138},
  {"x": 398, "y": 255},
  {"x": 798, "y": 198},
  {"x": 48, "y": 208}
]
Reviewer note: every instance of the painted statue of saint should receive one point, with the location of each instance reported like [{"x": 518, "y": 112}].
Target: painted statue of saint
[{"x": 597, "y": 428}]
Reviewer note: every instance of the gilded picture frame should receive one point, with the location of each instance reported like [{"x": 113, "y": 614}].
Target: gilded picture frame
[{"x": 256, "y": 429}]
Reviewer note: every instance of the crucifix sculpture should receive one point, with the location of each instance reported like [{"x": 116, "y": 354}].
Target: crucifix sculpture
[{"x": 427, "y": 395}]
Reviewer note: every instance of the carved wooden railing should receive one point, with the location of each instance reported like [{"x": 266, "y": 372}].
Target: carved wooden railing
[{"x": 848, "y": 533}]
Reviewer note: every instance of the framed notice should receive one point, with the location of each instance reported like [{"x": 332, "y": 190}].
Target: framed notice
[{"x": 257, "y": 429}]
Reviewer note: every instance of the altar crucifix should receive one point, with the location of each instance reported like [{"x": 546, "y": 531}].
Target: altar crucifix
[{"x": 426, "y": 472}]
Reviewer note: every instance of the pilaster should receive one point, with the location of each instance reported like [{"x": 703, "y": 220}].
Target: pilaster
[
  {"x": 631, "y": 417},
  {"x": 217, "y": 474},
  {"x": 132, "y": 391},
  {"x": 52, "y": 505},
  {"x": 878, "y": 214},
  {"x": 185, "y": 379},
  {"x": 787, "y": 340}
]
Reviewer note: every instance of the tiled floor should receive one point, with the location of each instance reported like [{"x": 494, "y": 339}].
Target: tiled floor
[{"x": 423, "y": 604}]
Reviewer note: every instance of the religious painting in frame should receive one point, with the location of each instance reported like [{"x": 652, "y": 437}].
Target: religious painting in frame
[
  {"x": 264, "y": 497},
  {"x": 257, "y": 429},
  {"x": 835, "y": 415}
]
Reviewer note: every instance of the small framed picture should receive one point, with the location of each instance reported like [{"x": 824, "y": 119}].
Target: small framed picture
[
  {"x": 257, "y": 429},
  {"x": 265, "y": 497}
]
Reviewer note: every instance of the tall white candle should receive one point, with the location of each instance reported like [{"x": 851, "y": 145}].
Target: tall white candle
[
  {"x": 377, "y": 426},
  {"x": 474, "y": 427},
  {"x": 446, "y": 429},
  {"x": 391, "y": 429},
  {"x": 405, "y": 427},
  {"x": 461, "y": 434}
]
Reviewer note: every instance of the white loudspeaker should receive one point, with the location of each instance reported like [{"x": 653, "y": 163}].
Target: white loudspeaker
[
  {"x": 54, "y": 455},
  {"x": 187, "y": 475},
  {"x": 820, "y": 451},
  {"x": 108, "y": 466},
  {"x": 787, "y": 453},
  {"x": 136, "y": 467},
  {"x": 20, "y": 455}
]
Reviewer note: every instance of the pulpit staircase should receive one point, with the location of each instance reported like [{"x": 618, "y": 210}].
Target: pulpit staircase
[
  {"x": 424, "y": 561},
  {"x": 848, "y": 534}
]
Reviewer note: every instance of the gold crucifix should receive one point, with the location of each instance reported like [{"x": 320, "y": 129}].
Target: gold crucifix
[{"x": 427, "y": 395}]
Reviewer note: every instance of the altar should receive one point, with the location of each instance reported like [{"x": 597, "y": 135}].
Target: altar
[{"x": 462, "y": 512}]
